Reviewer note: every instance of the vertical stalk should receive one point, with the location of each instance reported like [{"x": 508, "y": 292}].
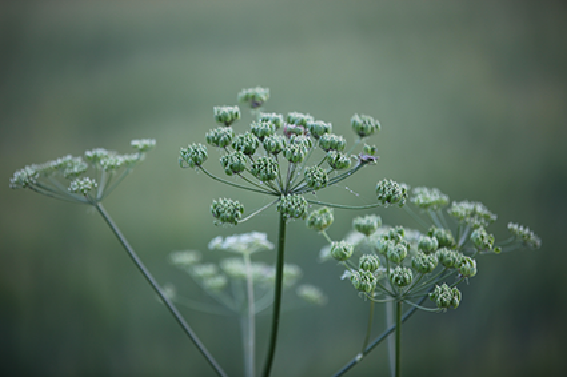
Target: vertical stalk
[
  {"x": 277, "y": 296},
  {"x": 398, "y": 335},
  {"x": 369, "y": 324},
  {"x": 391, "y": 342},
  {"x": 249, "y": 325},
  {"x": 150, "y": 279}
]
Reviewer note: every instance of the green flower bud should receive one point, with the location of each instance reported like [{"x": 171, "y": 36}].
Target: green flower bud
[
  {"x": 193, "y": 155},
  {"x": 233, "y": 163},
  {"x": 143, "y": 145},
  {"x": 254, "y": 97},
  {"x": 75, "y": 168},
  {"x": 24, "y": 177},
  {"x": 364, "y": 281},
  {"x": 474, "y": 214},
  {"x": 338, "y": 160},
  {"x": 315, "y": 177},
  {"x": 299, "y": 119},
  {"x": 444, "y": 236},
  {"x": 397, "y": 253},
  {"x": 302, "y": 140},
  {"x": 265, "y": 168},
  {"x": 369, "y": 262},
  {"x": 274, "y": 144},
  {"x": 391, "y": 192},
  {"x": 226, "y": 115},
  {"x": 293, "y": 206},
  {"x": 424, "y": 263},
  {"x": 428, "y": 244},
  {"x": 261, "y": 130},
  {"x": 481, "y": 239},
  {"x": 290, "y": 130},
  {"x": 369, "y": 150},
  {"x": 467, "y": 267},
  {"x": 227, "y": 211},
  {"x": 311, "y": 294},
  {"x": 449, "y": 258},
  {"x": 445, "y": 297},
  {"x": 273, "y": 118},
  {"x": 331, "y": 142},
  {"x": 364, "y": 125},
  {"x": 318, "y": 128},
  {"x": 341, "y": 250},
  {"x": 246, "y": 143},
  {"x": 401, "y": 276},
  {"x": 396, "y": 234},
  {"x": 366, "y": 225},
  {"x": 220, "y": 136},
  {"x": 383, "y": 245},
  {"x": 295, "y": 153},
  {"x": 320, "y": 219},
  {"x": 525, "y": 235},
  {"x": 82, "y": 185},
  {"x": 429, "y": 198}
]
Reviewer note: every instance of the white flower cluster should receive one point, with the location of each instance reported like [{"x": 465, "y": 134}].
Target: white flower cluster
[{"x": 242, "y": 243}]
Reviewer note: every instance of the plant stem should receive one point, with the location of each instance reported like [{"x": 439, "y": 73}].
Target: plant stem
[
  {"x": 150, "y": 279},
  {"x": 249, "y": 333},
  {"x": 398, "y": 335},
  {"x": 277, "y": 296},
  {"x": 369, "y": 324}
]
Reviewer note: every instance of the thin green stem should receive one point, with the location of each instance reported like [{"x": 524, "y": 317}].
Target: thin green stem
[
  {"x": 150, "y": 279},
  {"x": 398, "y": 315},
  {"x": 277, "y": 296},
  {"x": 232, "y": 183},
  {"x": 249, "y": 333},
  {"x": 369, "y": 324},
  {"x": 332, "y": 205}
]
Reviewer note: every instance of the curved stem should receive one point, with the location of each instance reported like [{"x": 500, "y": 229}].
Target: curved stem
[
  {"x": 277, "y": 296},
  {"x": 232, "y": 183},
  {"x": 150, "y": 279}
]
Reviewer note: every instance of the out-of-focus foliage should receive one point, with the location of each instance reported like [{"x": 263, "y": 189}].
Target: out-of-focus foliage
[{"x": 470, "y": 97}]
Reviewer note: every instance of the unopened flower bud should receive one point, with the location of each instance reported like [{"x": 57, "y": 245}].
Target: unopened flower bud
[
  {"x": 364, "y": 125},
  {"x": 254, "y": 97},
  {"x": 362, "y": 280},
  {"x": 369, "y": 262},
  {"x": 424, "y": 263},
  {"x": 481, "y": 239},
  {"x": 233, "y": 163},
  {"x": 428, "y": 244},
  {"x": 331, "y": 142},
  {"x": 338, "y": 160},
  {"x": 341, "y": 250},
  {"x": 446, "y": 297},
  {"x": 227, "y": 211},
  {"x": 193, "y": 155},
  {"x": 370, "y": 150},
  {"x": 273, "y": 118},
  {"x": 220, "y": 136},
  {"x": 295, "y": 153},
  {"x": 449, "y": 258},
  {"x": 401, "y": 276},
  {"x": 293, "y": 206},
  {"x": 261, "y": 130},
  {"x": 397, "y": 253},
  {"x": 290, "y": 130},
  {"x": 467, "y": 267},
  {"x": 274, "y": 144},
  {"x": 265, "y": 168},
  {"x": 299, "y": 119},
  {"x": 320, "y": 219},
  {"x": 444, "y": 236},
  {"x": 246, "y": 143},
  {"x": 429, "y": 198},
  {"x": 525, "y": 235},
  {"x": 315, "y": 177},
  {"x": 318, "y": 128},
  {"x": 391, "y": 192},
  {"x": 143, "y": 145},
  {"x": 226, "y": 115},
  {"x": 367, "y": 224},
  {"x": 82, "y": 185}
]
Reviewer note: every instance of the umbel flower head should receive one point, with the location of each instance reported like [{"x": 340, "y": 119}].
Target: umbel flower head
[
  {"x": 254, "y": 97},
  {"x": 391, "y": 192},
  {"x": 65, "y": 178},
  {"x": 446, "y": 297}
]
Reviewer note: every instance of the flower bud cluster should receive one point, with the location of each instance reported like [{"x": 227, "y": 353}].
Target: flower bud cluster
[
  {"x": 446, "y": 297},
  {"x": 227, "y": 211},
  {"x": 293, "y": 205},
  {"x": 275, "y": 144},
  {"x": 331, "y": 142},
  {"x": 265, "y": 168},
  {"x": 367, "y": 225},
  {"x": 467, "y": 267},
  {"x": 143, "y": 145},
  {"x": 290, "y": 130},
  {"x": 261, "y": 130},
  {"x": 364, "y": 281},
  {"x": 226, "y": 115},
  {"x": 318, "y": 128},
  {"x": 254, "y": 97},
  {"x": 481, "y": 239},
  {"x": 391, "y": 192},
  {"x": 98, "y": 154},
  {"x": 303, "y": 140},
  {"x": 295, "y": 153},
  {"x": 341, "y": 250},
  {"x": 273, "y": 118},
  {"x": 393, "y": 245},
  {"x": 369, "y": 150},
  {"x": 220, "y": 136},
  {"x": 444, "y": 236},
  {"x": 429, "y": 198},
  {"x": 193, "y": 155},
  {"x": 299, "y": 119},
  {"x": 246, "y": 143},
  {"x": 338, "y": 160},
  {"x": 449, "y": 258},
  {"x": 424, "y": 263},
  {"x": 401, "y": 276},
  {"x": 82, "y": 185},
  {"x": 474, "y": 214},
  {"x": 369, "y": 262},
  {"x": 525, "y": 235},
  {"x": 114, "y": 162},
  {"x": 320, "y": 219},
  {"x": 428, "y": 244},
  {"x": 233, "y": 163},
  {"x": 364, "y": 125},
  {"x": 315, "y": 177}
]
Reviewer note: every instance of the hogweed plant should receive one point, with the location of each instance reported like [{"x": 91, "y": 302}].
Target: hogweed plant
[{"x": 288, "y": 160}]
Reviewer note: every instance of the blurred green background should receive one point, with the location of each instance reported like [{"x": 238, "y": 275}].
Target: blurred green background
[{"x": 472, "y": 99}]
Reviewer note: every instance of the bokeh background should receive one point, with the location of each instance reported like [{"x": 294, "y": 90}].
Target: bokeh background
[{"x": 472, "y": 99}]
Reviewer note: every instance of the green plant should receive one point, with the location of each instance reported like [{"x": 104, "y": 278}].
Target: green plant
[{"x": 288, "y": 159}]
